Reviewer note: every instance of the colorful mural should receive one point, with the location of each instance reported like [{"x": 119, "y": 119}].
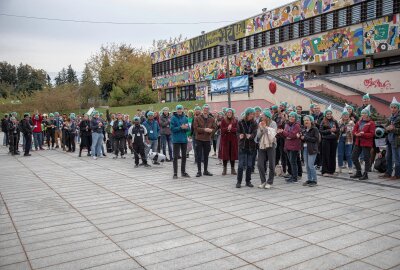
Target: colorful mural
[
  {"x": 381, "y": 35},
  {"x": 172, "y": 80},
  {"x": 297, "y": 79},
  {"x": 311, "y": 8},
  {"x": 332, "y": 45},
  {"x": 171, "y": 52}
]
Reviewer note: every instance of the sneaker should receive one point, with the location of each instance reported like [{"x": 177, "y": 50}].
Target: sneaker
[
  {"x": 267, "y": 186},
  {"x": 94, "y": 157},
  {"x": 27, "y": 155},
  {"x": 350, "y": 170},
  {"x": 262, "y": 185},
  {"x": 238, "y": 185},
  {"x": 185, "y": 175},
  {"x": 249, "y": 185},
  {"x": 175, "y": 176}
]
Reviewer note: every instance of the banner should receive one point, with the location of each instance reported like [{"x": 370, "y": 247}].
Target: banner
[{"x": 238, "y": 84}]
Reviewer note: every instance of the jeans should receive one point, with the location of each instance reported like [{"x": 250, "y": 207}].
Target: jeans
[
  {"x": 153, "y": 145},
  {"x": 167, "y": 139},
  {"x": 245, "y": 164},
  {"x": 97, "y": 142},
  {"x": 263, "y": 155},
  {"x": 292, "y": 156},
  {"x": 392, "y": 156},
  {"x": 344, "y": 150},
  {"x": 38, "y": 139},
  {"x": 309, "y": 161},
  {"x": 357, "y": 150},
  {"x": 180, "y": 147},
  {"x": 202, "y": 149}
]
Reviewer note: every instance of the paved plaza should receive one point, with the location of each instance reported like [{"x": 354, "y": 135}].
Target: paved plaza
[{"x": 58, "y": 211}]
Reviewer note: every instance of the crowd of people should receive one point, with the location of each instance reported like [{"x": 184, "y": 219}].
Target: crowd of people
[{"x": 277, "y": 141}]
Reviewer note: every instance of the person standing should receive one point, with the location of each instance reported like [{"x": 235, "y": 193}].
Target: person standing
[
  {"x": 197, "y": 112},
  {"x": 138, "y": 135},
  {"x": 119, "y": 127},
  {"x": 291, "y": 132},
  {"x": 37, "y": 131},
  {"x": 345, "y": 144},
  {"x": 58, "y": 129},
  {"x": 266, "y": 135},
  {"x": 247, "y": 145},
  {"x": 4, "y": 126},
  {"x": 310, "y": 139},
  {"x": 364, "y": 131},
  {"x": 329, "y": 129},
  {"x": 393, "y": 142},
  {"x": 13, "y": 130},
  {"x": 166, "y": 137},
  {"x": 27, "y": 129},
  {"x": 50, "y": 131},
  {"x": 228, "y": 149},
  {"x": 153, "y": 130},
  {"x": 204, "y": 125},
  {"x": 96, "y": 125},
  {"x": 86, "y": 136},
  {"x": 179, "y": 127}
]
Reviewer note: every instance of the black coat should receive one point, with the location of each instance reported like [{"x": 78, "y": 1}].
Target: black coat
[
  {"x": 119, "y": 132},
  {"x": 311, "y": 138},
  {"x": 26, "y": 126}
]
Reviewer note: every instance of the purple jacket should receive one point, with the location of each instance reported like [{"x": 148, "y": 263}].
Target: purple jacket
[{"x": 292, "y": 143}]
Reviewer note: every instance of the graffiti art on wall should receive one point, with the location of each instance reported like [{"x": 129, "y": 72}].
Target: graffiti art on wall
[
  {"x": 377, "y": 83},
  {"x": 297, "y": 79},
  {"x": 171, "y": 52},
  {"x": 333, "y": 45},
  {"x": 310, "y": 8},
  {"x": 381, "y": 35},
  {"x": 172, "y": 80}
]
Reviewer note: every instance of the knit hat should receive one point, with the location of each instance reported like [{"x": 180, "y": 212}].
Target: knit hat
[
  {"x": 206, "y": 106},
  {"x": 136, "y": 118},
  {"x": 312, "y": 105},
  {"x": 345, "y": 111},
  {"x": 150, "y": 113},
  {"x": 258, "y": 108},
  {"x": 95, "y": 113},
  {"x": 230, "y": 109},
  {"x": 167, "y": 109},
  {"x": 309, "y": 117},
  {"x": 249, "y": 111},
  {"x": 275, "y": 107},
  {"x": 267, "y": 113},
  {"x": 348, "y": 106},
  {"x": 366, "y": 96},
  {"x": 15, "y": 114},
  {"x": 51, "y": 115},
  {"x": 283, "y": 103},
  {"x": 197, "y": 108},
  {"x": 178, "y": 107},
  {"x": 367, "y": 110},
  {"x": 56, "y": 113},
  {"x": 329, "y": 109},
  {"x": 294, "y": 114},
  {"x": 72, "y": 116},
  {"x": 395, "y": 103}
]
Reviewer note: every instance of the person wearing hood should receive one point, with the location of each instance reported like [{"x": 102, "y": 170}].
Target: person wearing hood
[
  {"x": 50, "y": 131},
  {"x": 37, "y": 131},
  {"x": 138, "y": 135},
  {"x": 329, "y": 129},
  {"x": 166, "y": 137},
  {"x": 292, "y": 133},
  {"x": 364, "y": 131},
  {"x": 393, "y": 142},
  {"x": 266, "y": 135},
  {"x": 247, "y": 130},
  {"x": 228, "y": 149},
  {"x": 27, "y": 129},
  {"x": 153, "y": 130},
  {"x": 119, "y": 128},
  {"x": 179, "y": 127}
]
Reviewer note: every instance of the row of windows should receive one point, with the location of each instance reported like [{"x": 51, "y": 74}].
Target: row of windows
[{"x": 355, "y": 14}]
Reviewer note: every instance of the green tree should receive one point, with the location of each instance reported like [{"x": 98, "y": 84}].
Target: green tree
[
  {"x": 61, "y": 77},
  {"x": 71, "y": 76},
  {"x": 89, "y": 90},
  {"x": 8, "y": 73}
]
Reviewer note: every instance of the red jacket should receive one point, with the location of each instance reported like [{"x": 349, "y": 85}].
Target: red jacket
[
  {"x": 292, "y": 143},
  {"x": 37, "y": 123},
  {"x": 228, "y": 147},
  {"x": 366, "y": 139}
]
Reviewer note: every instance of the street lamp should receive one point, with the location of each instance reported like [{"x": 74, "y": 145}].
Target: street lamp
[{"x": 227, "y": 43}]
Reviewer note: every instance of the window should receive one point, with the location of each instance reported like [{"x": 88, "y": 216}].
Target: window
[
  {"x": 285, "y": 33},
  {"x": 306, "y": 28},
  {"x": 241, "y": 45},
  {"x": 250, "y": 43},
  {"x": 272, "y": 36},
  {"x": 267, "y": 38},
  {"x": 387, "y": 7},
  {"x": 296, "y": 30},
  {"x": 329, "y": 21},
  {"x": 170, "y": 95},
  {"x": 342, "y": 17},
  {"x": 187, "y": 92},
  {"x": 356, "y": 14},
  {"x": 263, "y": 39},
  {"x": 317, "y": 24},
  {"x": 277, "y": 30},
  {"x": 371, "y": 10},
  {"x": 360, "y": 65}
]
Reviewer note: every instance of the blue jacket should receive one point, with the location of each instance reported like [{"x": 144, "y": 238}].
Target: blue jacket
[
  {"x": 153, "y": 129},
  {"x": 178, "y": 134}
]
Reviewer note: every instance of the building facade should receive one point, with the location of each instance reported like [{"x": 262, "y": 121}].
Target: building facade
[{"x": 302, "y": 38}]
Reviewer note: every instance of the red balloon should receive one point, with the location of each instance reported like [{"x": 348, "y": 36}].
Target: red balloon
[{"x": 272, "y": 87}]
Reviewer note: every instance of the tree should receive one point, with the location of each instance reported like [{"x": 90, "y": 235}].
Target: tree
[
  {"x": 61, "y": 77},
  {"x": 30, "y": 79},
  {"x": 88, "y": 89},
  {"x": 8, "y": 73},
  {"x": 71, "y": 76}
]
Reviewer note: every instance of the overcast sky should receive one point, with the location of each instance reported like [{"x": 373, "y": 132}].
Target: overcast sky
[{"x": 52, "y": 45}]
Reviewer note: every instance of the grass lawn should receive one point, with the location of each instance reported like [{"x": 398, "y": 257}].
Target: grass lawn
[{"x": 131, "y": 110}]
